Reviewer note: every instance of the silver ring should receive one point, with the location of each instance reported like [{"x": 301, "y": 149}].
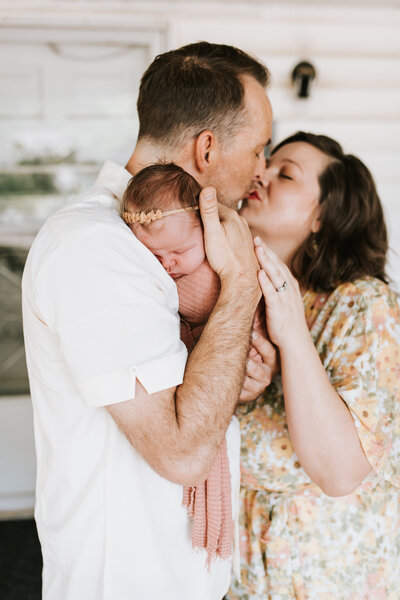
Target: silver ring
[{"x": 283, "y": 287}]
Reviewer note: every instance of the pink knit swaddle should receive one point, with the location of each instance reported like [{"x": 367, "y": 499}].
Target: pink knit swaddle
[{"x": 209, "y": 504}]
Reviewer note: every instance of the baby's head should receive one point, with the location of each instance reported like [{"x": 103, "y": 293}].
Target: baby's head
[{"x": 160, "y": 205}]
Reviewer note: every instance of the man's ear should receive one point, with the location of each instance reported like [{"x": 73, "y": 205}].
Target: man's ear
[{"x": 206, "y": 149}]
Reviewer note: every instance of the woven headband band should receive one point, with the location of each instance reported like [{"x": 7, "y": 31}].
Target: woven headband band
[{"x": 152, "y": 215}]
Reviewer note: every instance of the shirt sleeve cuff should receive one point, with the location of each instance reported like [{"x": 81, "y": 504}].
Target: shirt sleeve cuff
[{"x": 119, "y": 386}]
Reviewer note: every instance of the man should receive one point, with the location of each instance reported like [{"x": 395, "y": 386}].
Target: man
[{"x": 116, "y": 422}]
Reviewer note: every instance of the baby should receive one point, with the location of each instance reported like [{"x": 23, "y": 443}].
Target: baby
[{"x": 160, "y": 205}]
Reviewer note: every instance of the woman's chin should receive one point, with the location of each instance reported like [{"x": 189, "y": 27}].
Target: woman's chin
[{"x": 249, "y": 214}]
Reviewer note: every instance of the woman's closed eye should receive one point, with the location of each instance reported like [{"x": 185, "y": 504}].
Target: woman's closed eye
[{"x": 286, "y": 175}]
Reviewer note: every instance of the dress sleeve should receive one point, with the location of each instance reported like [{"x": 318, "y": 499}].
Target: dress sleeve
[{"x": 365, "y": 371}]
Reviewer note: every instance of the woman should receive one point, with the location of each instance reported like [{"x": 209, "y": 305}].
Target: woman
[{"x": 320, "y": 491}]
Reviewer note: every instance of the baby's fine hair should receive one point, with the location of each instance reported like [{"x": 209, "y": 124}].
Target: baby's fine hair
[{"x": 159, "y": 187}]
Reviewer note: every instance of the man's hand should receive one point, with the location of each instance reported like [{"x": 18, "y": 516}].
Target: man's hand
[
  {"x": 227, "y": 240},
  {"x": 259, "y": 375}
]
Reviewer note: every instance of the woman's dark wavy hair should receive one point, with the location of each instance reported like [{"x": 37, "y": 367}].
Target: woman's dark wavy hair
[{"x": 352, "y": 239}]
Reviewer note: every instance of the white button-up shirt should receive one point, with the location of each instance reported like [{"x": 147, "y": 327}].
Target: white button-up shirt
[{"x": 100, "y": 312}]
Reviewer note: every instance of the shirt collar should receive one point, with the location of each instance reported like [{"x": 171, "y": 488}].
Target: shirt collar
[{"x": 114, "y": 178}]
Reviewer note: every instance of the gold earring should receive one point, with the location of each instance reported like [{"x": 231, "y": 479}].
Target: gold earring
[{"x": 313, "y": 247}]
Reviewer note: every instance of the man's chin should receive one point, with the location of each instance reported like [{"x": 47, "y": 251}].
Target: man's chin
[
  {"x": 243, "y": 204},
  {"x": 230, "y": 203}
]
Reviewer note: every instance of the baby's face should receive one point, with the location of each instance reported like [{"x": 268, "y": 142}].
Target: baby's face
[{"x": 177, "y": 242}]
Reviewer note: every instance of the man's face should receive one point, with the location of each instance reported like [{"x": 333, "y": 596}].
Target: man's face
[{"x": 241, "y": 159}]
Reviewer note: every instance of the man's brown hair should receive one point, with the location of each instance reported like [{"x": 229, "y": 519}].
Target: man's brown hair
[{"x": 194, "y": 88}]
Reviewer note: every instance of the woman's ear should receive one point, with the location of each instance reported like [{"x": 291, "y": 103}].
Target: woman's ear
[
  {"x": 316, "y": 225},
  {"x": 316, "y": 221},
  {"x": 206, "y": 148}
]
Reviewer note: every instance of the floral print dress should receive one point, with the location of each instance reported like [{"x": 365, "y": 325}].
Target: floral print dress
[{"x": 296, "y": 542}]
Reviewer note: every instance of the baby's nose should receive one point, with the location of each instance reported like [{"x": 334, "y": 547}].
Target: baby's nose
[{"x": 167, "y": 261}]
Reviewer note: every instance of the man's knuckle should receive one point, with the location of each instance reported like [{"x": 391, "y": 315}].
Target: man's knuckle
[{"x": 209, "y": 210}]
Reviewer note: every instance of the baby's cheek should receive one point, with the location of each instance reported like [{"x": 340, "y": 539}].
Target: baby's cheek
[
  {"x": 199, "y": 256},
  {"x": 190, "y": 264}
]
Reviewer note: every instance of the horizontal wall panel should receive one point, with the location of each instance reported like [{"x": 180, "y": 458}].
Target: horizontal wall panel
[
  {"x": 21, "y": 91},
  {"x": 357, "y": 136},
  {"x": 363, "y": 73},
  {"x": 337, "y": 104},
  {"x": 330, "y": 39}
]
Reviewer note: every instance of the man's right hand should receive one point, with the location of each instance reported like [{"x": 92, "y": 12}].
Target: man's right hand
[{"x": 228, "y": 242}]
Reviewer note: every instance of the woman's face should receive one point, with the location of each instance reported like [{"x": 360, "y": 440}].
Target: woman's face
[{"x": 283, "y": 209}]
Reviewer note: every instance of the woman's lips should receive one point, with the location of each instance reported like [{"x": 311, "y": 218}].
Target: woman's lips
[{"x": 253, "y": 195}]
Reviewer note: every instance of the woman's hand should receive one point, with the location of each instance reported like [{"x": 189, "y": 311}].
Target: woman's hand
[
  {"x": 320, "y": 425},
  {"x": 259, "y": 375},
  {"x": 283, "y": 302}
]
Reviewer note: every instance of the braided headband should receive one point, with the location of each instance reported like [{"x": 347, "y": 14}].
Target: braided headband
[{"x": 152, "y": 215}]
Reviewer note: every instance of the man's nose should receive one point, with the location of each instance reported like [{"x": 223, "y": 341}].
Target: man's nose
[
  {"x": 263, "y": 178},
  {"x": 261, "y": 164}
]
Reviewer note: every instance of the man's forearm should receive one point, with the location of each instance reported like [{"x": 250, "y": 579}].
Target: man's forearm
[
  {"x": 178, "y": 431},
  {"x": 214, "y": 375}
]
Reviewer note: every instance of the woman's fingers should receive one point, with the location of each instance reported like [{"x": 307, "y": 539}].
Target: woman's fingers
[
  {"x": 267, "y": 351},
  {"x": 283, "y": 301},
  {"x": 251, "y": 390},
  {"x": 267, "y": 287},
  {"x": 275, "y": 270},
  {"x": 258, "y": 377},
  {"x": 254, "y": 369},
  {"x": 246, "y": 395}
]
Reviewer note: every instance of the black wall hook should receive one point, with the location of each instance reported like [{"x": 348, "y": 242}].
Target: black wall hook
[{"x": 302, "y": 75}]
